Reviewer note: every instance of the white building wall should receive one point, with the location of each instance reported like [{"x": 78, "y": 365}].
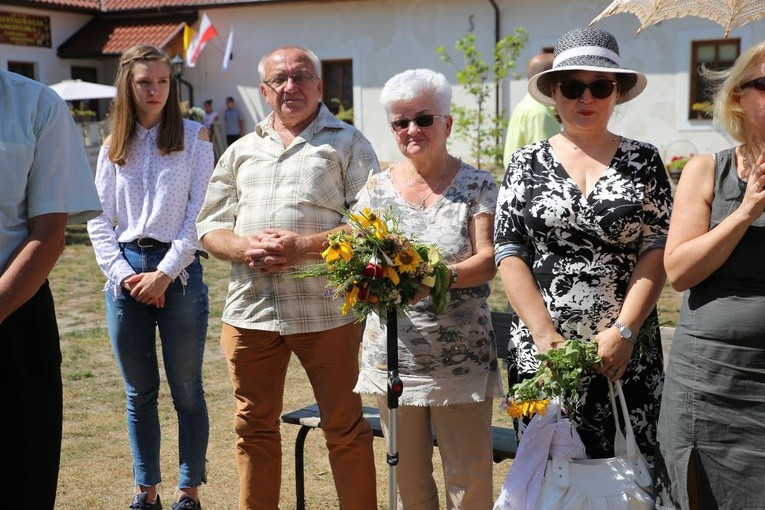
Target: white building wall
[
  {"x": 387, "y": 36},
  {"x": 49, "y": 68},
  {"x": 383, "y": 37}
]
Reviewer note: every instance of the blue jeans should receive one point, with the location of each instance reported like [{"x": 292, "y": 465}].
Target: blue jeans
[{"x": 182, "y": 327}]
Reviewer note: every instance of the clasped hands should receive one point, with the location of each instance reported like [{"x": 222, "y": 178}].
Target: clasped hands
[
  {"x": 148, "y": 288},
  {"x": 274, "y": 250}
]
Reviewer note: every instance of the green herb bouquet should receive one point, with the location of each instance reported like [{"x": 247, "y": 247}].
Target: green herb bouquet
[
  {"x": 558, "y": 376},
  {"x": 376, "y": 268}
]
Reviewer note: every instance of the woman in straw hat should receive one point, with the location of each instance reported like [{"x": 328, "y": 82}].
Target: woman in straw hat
[{"x": 581, "y": 223}]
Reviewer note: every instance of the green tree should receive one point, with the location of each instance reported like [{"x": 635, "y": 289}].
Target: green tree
[{"x": 482, "y": 126}]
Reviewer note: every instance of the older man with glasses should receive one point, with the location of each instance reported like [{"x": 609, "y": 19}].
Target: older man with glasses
[{"x": 271, "y": 203}]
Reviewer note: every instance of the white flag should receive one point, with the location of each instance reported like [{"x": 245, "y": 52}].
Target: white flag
[
  {"x": 206, "y": 32},
  {"x": 227, "y": 52}
]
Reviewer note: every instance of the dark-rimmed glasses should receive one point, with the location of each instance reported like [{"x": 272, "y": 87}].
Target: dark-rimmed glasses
[
  {"x": 300, "y": 79},
  {"x": 574, "y": 89},
  {"x": 758, "y": 83},
  {"x": 421, "y": 121}
]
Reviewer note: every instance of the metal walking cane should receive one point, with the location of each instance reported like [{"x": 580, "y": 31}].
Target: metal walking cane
[{"x": 395, "y": 387}]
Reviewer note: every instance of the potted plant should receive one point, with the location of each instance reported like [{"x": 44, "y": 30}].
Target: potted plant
[
  {"x": 192, "y": 112},
  {"x": 676, "y": 165},
  {"x": 341, "y": 110},
  {"x": 703, "y": 109}
]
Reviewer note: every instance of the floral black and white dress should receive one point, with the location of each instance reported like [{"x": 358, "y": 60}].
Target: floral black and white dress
[{"x": 582, "y": 251}]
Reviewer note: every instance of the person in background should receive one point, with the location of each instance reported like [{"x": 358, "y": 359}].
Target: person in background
[
  {"x": 531, "y": 120},
  {"x": 447, "y": 362},
  {"x": 306, "y": 168},
  {"x": 210, "y": 115},
  {"x": 712, "y": 419},
  {"x": 152, "y": 174},
  {"x": 215, "y": 129},
  {"x": 581, "y": 223},
  {"x": 234, "y": 121},
  {"x": 45, "y": 184}
]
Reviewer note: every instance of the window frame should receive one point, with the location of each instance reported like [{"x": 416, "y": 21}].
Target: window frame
[
  {"x": 694, "y": 85},
  {"x": 28, "y": 69},
  {"x": 337, "y": 79}
]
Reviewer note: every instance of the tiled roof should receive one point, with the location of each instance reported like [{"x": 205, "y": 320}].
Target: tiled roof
[
  {"x": 120, "y": 24},
  {"x": 112, "y": 36},
  {"x": 125, "y": 6}
]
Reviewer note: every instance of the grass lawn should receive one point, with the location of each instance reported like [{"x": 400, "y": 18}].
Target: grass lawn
[{"x": 96, "y": 466}]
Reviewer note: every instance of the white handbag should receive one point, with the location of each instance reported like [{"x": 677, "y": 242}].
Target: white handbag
[{"x": 622, "y": 482}]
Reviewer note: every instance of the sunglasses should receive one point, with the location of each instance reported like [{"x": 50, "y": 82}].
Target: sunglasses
[
  {"x": 421, "y": 121},
  {"x": 574, "y": 89},
  {"x": 758, "y": 83},
  {"x": 300, "y": 79}
]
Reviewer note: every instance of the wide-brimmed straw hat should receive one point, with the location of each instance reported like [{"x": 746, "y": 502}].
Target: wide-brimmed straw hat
[{"x": 587, "y": 49}]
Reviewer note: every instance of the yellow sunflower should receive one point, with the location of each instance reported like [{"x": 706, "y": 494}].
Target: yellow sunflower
[
  {"x": 351, "y": 298},
  {"x": 367, "y": 219},
  {"x": 392, "y": 275},
  {"x": 337, "y": 250},
  {"x": 529, "y": 408},
  {"x": 408, "y": 260}
]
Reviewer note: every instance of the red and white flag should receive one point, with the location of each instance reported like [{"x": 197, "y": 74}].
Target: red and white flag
[{"x": 206, "y": 32}]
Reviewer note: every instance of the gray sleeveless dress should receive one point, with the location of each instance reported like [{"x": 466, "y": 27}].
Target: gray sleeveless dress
[{"x": 713, "y": 407}]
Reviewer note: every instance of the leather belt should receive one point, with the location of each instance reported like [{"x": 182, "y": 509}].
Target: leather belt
[{"x": 147, "y": 244}]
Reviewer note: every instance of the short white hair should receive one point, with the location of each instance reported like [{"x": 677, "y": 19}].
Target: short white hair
[
  {"x": 310, "y": 54},
  {"x": 416, "y": 83}
]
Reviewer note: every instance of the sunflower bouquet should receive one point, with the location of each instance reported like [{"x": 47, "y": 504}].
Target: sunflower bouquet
[
  {"x": 374, "y": 267},
  {"x": 558, "y": 376}
]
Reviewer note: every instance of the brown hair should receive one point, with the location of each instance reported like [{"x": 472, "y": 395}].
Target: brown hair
[{"x": 123, "y": 118}]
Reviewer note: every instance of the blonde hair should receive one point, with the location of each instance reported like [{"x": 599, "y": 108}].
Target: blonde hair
[
  {"x": 123, "y": 117},
  {"x": 726, "y": 86}
]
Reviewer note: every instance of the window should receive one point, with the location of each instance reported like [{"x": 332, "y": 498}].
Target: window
[
  {"x": 87, "y": 74},
  {"x": 717, "y": 55},
  {"x": 337, "y": 77},
  {"x": 23, "y": 68}
]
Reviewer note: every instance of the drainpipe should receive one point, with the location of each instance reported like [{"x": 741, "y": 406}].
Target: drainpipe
[{"x": 496, "y": 40}]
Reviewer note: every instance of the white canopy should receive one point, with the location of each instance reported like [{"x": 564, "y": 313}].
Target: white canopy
[{"x": 74, "y": 90}]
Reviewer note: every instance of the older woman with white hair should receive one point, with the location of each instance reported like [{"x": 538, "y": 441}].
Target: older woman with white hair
[{"x": 447, "y": 362}]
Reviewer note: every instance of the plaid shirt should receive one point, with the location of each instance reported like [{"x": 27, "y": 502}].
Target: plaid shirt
[{"x": 258, "y": 184}]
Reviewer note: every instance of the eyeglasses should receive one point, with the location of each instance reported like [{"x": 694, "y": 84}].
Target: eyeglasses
[
  {"x": 421, "y": 121},
  {"x": 300, "y": 79},
  {"x": 758, "y": 83},
  {"x": 574, "y": 89}
]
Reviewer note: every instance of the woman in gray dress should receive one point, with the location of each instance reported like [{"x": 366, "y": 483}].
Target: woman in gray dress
[{"x": 711, "y": 430}]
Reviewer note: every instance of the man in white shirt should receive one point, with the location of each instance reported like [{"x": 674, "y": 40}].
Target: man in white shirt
[{"x": 45, "y": 184}]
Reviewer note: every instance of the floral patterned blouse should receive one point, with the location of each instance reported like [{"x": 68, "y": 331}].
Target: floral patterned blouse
[
  {"x": 443, "y": 359},
  {"x": 582, "y": 251}
]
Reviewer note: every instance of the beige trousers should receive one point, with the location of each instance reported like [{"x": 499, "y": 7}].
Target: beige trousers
[{"x": 464, "y": 442}]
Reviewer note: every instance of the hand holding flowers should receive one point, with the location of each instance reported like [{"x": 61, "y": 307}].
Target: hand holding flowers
[
  {"x": 559, "y": 375},
  {"x": 375, "y": 267}
]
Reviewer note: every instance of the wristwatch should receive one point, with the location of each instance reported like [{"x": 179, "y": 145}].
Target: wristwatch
[
  {"x": 453, "y": 276},
  {"x": 625, "y": 331}
]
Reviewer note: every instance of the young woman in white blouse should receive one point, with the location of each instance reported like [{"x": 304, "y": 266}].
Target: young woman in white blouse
[{"x": 152, "y": 175}]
